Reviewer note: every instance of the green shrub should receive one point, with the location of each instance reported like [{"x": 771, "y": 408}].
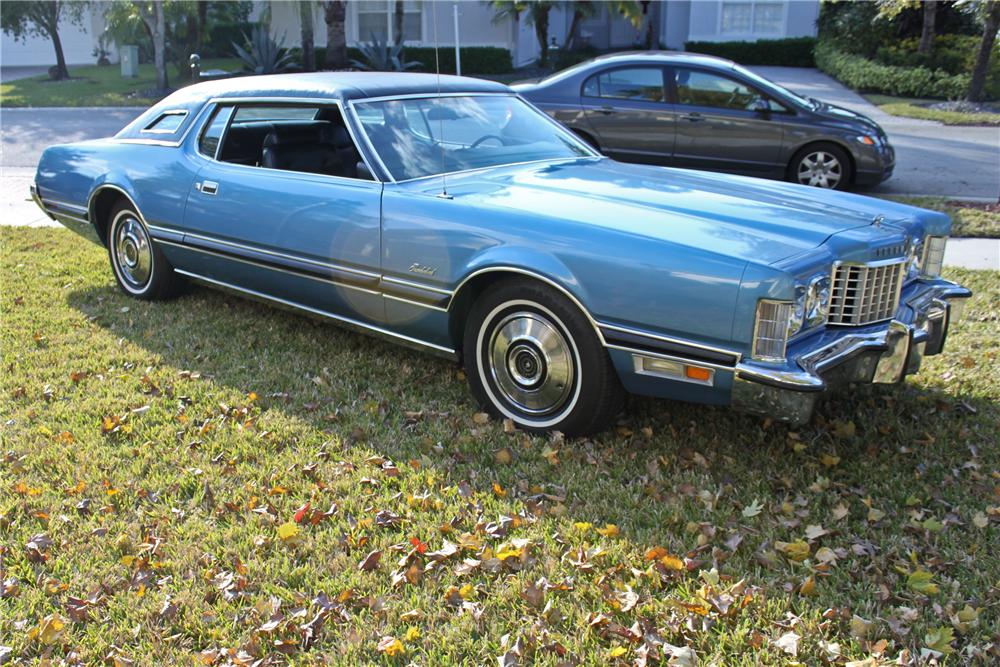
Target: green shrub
[
  {"x": 869, "y": 76},
  {"x": 564, "y": 59},
  {"x": 475, "y": 59},
  {"x": 954, "y": 54},
  {"x": 790, "y": 52}
]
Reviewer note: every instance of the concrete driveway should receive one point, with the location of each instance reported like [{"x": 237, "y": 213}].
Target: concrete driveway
[{"x": 931, "y": 158}]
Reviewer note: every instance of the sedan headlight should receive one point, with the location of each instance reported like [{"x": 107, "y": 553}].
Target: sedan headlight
[
  {"x": 776, "y": 322},
  {"x": 914, "y": 259},
  {"x": 933, "y": 257},
  {"x": 817, "y": 301}
]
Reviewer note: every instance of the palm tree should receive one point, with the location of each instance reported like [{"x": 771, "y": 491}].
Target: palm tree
[
  {"x": 990, "y": 12},
  {"x": 535, "y": 13},
  {"x": 334, "y": 13}
]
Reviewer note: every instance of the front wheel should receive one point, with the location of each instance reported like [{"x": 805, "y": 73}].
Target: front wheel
[
  {"x": 533, "y": 357},
  {"x": 822, "y": 166},
  {"x": 139, "y": 266}
]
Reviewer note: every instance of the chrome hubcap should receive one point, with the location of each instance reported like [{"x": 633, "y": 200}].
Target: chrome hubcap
[
  {"x": 531, "y": 362},
  {"x": 820, "y": 169},
  {"x": 132, "y": 252}
]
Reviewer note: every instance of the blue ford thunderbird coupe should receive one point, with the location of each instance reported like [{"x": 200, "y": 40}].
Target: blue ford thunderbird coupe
[{"x": 449, "y": 214}]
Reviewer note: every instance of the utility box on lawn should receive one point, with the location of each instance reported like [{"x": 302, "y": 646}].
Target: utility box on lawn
[{"x": 129, "y": 56}]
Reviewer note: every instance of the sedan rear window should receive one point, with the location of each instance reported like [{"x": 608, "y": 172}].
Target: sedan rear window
[{"x": 167, "y": 122}]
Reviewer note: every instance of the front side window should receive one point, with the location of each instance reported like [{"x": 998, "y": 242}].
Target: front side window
[
  {"x": 426, "y": 136},
  {"x": 299, "y": 138},
  {"x": 706, "y": 89},
  {"x": 634, "y": 83}
]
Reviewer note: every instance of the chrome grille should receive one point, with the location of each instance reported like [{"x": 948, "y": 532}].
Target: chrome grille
[{"x": 862, "y": 294}]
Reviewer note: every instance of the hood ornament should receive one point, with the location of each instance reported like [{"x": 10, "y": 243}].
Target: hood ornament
[{"x": 878, "y": 220}]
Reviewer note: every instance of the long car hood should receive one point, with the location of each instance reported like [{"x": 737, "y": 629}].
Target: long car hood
[{"x": 753, "y": 219}]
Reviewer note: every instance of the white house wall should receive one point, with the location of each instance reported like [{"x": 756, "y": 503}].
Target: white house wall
[
  {"x": 78, "y": 42},
  {"x": 705, "y": 21}
]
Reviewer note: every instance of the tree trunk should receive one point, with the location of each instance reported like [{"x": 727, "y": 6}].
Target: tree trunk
[
  {"x": 574, "y": 27},
  {"x": 397, "y": 23},
  {"x": 654, "y": 21},
  {"x": 199, "y": 43},
  {"x": 334, "y": 12},
  {"x": 160, "y": 46},
  {"x": 981, "y": 66},
  {"x": 541, "y": 20},
  {"x": 927, "y": 32},
  {"x": 61, "y": 71},
  {"x": 308, "y": 46}
]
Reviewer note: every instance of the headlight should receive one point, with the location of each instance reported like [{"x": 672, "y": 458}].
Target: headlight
[
  {"x": 933, "y": 257},
  {"x": 867, "y": 140},
  {"x": 776, "y": 321},
  {"x": 914, "y": 259},
  {"x": 817, "y": 301}
]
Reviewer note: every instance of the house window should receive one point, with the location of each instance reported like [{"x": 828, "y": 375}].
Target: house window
[
  {"x": 376, "y": 17},
  {"x": 751, "y": 17}
]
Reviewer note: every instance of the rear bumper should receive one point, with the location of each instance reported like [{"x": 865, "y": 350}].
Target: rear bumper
[{"x": 879, "y": 353}]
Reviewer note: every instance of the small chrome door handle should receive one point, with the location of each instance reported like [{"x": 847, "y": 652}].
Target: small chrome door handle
[
  {"x": 207, "y": 187},
  {"x": 607, "y": 110},
  {"x": 693, "y": 117}
]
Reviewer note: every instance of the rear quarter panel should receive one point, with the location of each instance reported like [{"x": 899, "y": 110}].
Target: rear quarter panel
[{"x": 157, "y": 178}]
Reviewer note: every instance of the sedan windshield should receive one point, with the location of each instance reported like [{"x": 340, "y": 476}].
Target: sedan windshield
[{"x": 419, "y": 137}]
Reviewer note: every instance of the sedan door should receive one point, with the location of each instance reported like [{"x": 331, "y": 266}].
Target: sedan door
[
  {"x": 311, "y": 239},
  {"x": 628, "y": 110},
  {"x": 724, "y": 124}
]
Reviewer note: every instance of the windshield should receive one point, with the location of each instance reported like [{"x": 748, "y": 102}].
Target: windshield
[
  {"x": 438, "y": 135},
  {"x": 771, "y": 86}
]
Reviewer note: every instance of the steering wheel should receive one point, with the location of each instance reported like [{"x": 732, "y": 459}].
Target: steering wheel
[{"x": 484, "y": 138}]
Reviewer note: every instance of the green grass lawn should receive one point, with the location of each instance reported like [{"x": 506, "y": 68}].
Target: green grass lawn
[
  {"x": 969, "y": 219},
  {"x": 915, "y": 108},
  {"x": 212, "y": 481},
  {"x": 96, "y": 86}
]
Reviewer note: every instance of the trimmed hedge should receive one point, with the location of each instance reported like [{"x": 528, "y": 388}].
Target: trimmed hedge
[
  {"x": 790, "y": 52},
  {"x": 869, "y": 76},
  {"x": 475, "y": 59}
]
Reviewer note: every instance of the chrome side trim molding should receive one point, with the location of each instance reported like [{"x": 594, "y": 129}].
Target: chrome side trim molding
[
  {"x": 670, "y": 344},
  {"x": 110, "y": 186},
  {"x": 374, "y": 277},
  {"x": 669, "y": 357},
  {"x": 51, "y": 201},
  {"x": 423, "y": 286},
  {"x": 345, "y": 321},
  {"x": 270, "y": 267}
]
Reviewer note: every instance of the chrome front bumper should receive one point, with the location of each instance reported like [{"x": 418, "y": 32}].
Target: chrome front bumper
[{"x": 882, "y": 353}]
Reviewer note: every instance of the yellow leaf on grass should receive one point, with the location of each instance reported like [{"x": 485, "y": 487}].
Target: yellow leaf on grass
[
  {"x": 49, "y": 630},
  {"x": 617, "y": 652},
  {"x": 609, "y": 530},
  {"x": 672, "y": 562},
  {"x": 412, "y": 634},
  {"x": 582, "y": 526},
  {"x": 509, "y": 552},
  {"x": 390, "y": 646},
  {"x": 797, "y": 551},
  {"x": 467, "y": 591},
  {"x": 288, "y": 531},
  {"x": 921, "y": 582}
]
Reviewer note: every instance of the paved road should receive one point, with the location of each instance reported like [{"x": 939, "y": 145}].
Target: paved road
[
  {"x": 26, "y": 132},
  {"x": 931, "y": 158}
]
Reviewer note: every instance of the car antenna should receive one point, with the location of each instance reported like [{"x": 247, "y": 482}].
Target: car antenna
[{"x": 437, "y": 66}]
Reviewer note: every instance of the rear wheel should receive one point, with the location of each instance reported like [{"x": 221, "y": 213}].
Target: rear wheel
[
  {"x": 139, "y": 266},
  {"x": 821, "y": 166},
  {"x": 533, "y": 357}
]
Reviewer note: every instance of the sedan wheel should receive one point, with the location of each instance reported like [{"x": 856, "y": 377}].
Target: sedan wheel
[
  {"x": 532, "y": 357},
  {"x": 823, "y": 166},
  {"x": 139, "y": 266}
]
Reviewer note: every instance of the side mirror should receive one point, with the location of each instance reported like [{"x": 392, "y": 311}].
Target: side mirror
[{"x": 364, "y": 172}]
